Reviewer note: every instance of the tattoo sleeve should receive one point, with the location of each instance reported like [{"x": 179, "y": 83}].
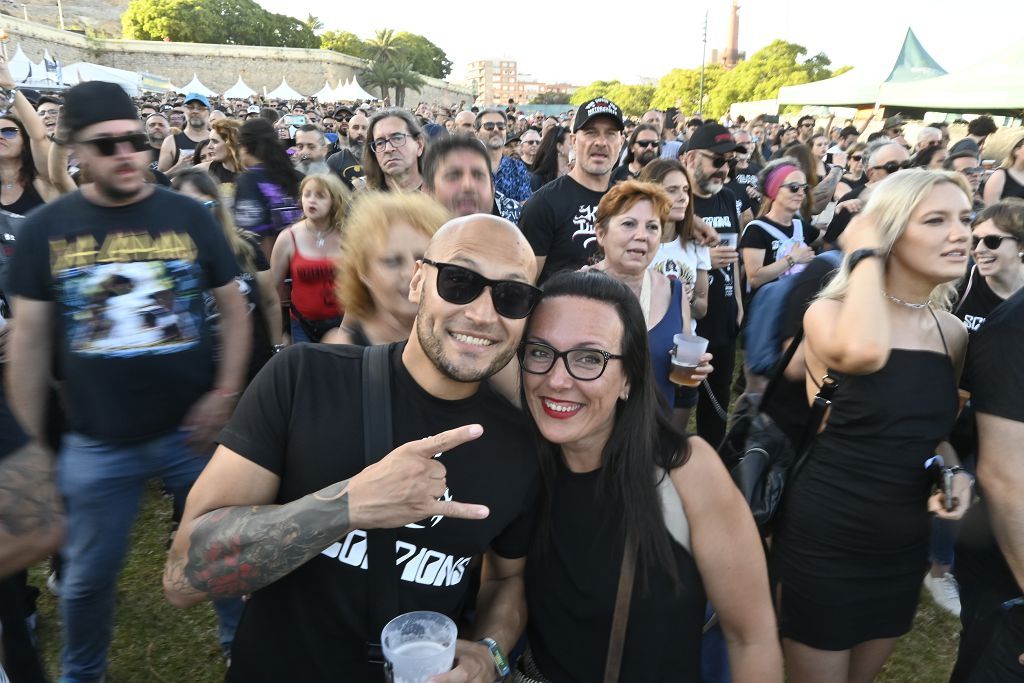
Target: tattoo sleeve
[
  {"x": 237, "y": 550},
  {"x": 30, "y": 509}
]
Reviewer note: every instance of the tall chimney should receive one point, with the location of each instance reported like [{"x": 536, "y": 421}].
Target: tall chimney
[{"x": 732, "y": 47}]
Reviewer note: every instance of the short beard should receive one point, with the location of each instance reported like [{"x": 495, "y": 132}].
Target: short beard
[
  {"x": 431, "y": 346},
  {"x": 115, "y": 194}
]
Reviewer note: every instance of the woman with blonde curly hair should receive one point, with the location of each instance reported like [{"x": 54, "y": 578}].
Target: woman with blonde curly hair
[
  {"x": 386, "y": 234},
  {"x": 851, "y": 547}
]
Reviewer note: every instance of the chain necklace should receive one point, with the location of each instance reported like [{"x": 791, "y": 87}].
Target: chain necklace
[
  {"x": 901, "y": 302},
  {"x": 319, "y": 235}
]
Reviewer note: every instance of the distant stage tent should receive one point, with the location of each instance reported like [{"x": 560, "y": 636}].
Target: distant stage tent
[
  {"x": 995, "y": 85},
  {"x": 358, "y": 92},
  {"x": 340, "y": 93},
  {"x": 325, "y": 94},
  {"x": 862, "y": 86},
  {"x": 196, "y": 86},
  {"x": 239, "y": 91},
  {"x": 285, "y": 92},
  {"x": 82, "y": 72}
]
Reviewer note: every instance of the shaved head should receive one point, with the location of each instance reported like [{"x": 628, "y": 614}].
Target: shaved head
[{"x": 462, "y": 234}]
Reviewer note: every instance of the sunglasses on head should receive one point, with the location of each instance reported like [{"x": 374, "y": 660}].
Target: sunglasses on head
[
  {"x": 9, "y": 132},
  {"x": 107, "y": 147},
  {"x": 992, "y": 242},
  {"x": 458, "y": 285}
]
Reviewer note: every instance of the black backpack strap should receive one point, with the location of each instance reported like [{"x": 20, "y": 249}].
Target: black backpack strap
[
  {"x": 780, "y": 368},
  {"x": 382, "y": 572}
]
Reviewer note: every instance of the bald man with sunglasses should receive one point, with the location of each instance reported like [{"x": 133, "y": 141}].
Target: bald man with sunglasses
[{"x": 291, "y": 511}]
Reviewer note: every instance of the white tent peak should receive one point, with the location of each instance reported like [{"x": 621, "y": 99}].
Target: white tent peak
[
  {"x": 196, "y": 86},
  {"x": 284, "y": 92},
  {"x": 239, "y": 91},
  {"x": 326, "y": 93}
]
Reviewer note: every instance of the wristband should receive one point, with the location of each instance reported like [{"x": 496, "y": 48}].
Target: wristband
[
  {"x": 861, "y": 254},
  {"x": 956, "y": 469},
  {"x": 500, "y": 661},
  {"x": 224, "y": 393}
]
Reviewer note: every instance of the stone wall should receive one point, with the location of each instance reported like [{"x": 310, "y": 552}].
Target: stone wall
[{"x": 218, "y": 66}]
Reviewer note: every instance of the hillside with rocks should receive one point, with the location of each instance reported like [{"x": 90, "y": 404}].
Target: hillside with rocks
[{"x": 98, "y": 18}]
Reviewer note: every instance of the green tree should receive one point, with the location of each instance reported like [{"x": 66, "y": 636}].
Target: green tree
[
  {"x": 761, "y": 75},
  {"x": 681, "y": 88},
  {"x": 426, "y": 58},
  {"x": 312, "y": 23},
  {"x": 380, "y": 75},
  {"x": 634, "y": 100},
  {"x": 345, "y": 42},
  {"x": 589, "y": 92},
  {"x": 550, "y": 98},
  {"x": 383, "y": 46},
  {"x": 403, "y": 78},
  {"x": 229, "y": 22}
]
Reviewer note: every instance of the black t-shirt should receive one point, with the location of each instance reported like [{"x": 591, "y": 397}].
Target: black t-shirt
[
  {"x": 976, "y": 301},
  {"x": 719, "y": 325},
  {"x": 756, "y": 237},
  {"x": 302, "y": 420},
  {"x": 842, "y": 218},
  {"x": 134, "y": 342},
  {"x": 622, "y": 173},
  {"x": 185, "y": 147},
  {"x": 263, "y": 206},
  {"x": 559, "y": 222},
  {"x": 996, "y": 367},
  {"x": 739, "y": 181}
]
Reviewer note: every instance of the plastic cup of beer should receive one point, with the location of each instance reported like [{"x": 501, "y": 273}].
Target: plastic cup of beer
[
  {"x": 686, "y": 356},
  {"x": 418, "y": 645}
]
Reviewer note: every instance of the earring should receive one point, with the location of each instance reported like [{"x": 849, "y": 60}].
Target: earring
[{"x": 625, "y": 396}]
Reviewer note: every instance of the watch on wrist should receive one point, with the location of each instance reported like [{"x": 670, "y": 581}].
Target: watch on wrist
[
  {"x": 500, "y": 660},
  {"x": 861, "y": 254}
]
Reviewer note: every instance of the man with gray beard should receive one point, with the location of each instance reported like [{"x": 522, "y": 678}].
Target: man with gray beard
[{"x": 310, "y": 151}]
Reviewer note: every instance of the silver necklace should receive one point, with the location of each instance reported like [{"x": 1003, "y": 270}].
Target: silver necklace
[
  {"x": 321, "y": 238},
  {"x": 901, "y": 302}
]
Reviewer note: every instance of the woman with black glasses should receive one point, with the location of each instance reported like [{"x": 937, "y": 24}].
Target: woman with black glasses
[
  {"x": 998, "y": 272},
  {"x": 624, "y": 491}
]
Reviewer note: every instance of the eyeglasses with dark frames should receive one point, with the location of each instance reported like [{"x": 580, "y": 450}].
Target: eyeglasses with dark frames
[
  {"x": 395, "y": 139},
  {"x": 491, "y": 125},
  {"x": 583, "y": 364},
  {"x": 717, "y": 160},
  {"x": 796, "y": 187},
  {"x": 107, "y": 146},
  {"x": 992, "y": 242}
]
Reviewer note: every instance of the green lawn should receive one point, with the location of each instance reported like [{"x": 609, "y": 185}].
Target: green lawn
[{"x": 155, "y": 642}]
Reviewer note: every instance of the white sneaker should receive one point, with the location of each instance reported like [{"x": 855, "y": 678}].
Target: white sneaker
[
  {"x": 53, "y": 584},
  {"x": 944, "y": 591}
]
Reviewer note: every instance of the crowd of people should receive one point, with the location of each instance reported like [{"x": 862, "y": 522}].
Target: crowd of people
[{"x": 386, "y": 360}]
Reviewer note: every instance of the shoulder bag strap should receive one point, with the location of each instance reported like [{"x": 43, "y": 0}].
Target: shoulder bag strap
[
  {"x": 822, "y": 402},
  {"x": 382, "y": 572},
  {"x": 620, "y": 619},
  {"x": 780, "y": 369}
]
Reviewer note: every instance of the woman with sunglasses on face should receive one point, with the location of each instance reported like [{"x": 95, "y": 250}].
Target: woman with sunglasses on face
[
  {"x": 21, "y": 187},
  {"x": 998, "y": 271},
  {"x": 1008, "y": 179},
  {"x": 620, "y": 482},
  {"x": 854, "y": 176},
  {"x": 851, "y": 544}
]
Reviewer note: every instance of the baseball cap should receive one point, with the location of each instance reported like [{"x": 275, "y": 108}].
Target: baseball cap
[
  {"x": 196, "y": 97},
  {"x": 253, "y": 109},
  {"x": 512, "y": 137},
  {"x": 599, "y": 106},
  {"x": 714, "y": 138},
  {"x": 964, "y": 148},
  {"x": 893, "y": 122}
]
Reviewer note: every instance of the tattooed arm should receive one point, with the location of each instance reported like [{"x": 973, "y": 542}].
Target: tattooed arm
[
  {"x": 31, "y": 518},
  {"x": 233, "y": 540}
]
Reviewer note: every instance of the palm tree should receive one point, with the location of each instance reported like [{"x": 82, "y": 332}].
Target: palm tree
[
  {"x": 380, "y": 75},
  {"x": 313, "y": 23},
  {"x": 404, "y": 78},
  {"x": 383, "y": 46}
]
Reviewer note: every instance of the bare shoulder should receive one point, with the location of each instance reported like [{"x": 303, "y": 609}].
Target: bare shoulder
[
  {"x": 704, "y": 466},
  {"x": 954, "y": 331}
]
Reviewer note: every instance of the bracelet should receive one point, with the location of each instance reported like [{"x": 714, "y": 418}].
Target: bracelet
[
  {"x": 861, "y": 254},
  {"x": 956, "y": 469},
  {"x": 790, "y": 261},
  {"x": 500, "y": 661},
  {"x": 224, "y": 393},
  {"x": 278, "y": 348}
]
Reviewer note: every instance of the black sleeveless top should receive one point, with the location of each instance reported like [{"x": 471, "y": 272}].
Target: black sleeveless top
[
  {"x": 221, "y": 172},
  {"x": 183, "y": 144},
  {"x": 571, "y": 583},
  {"x": 28, "y": 200},
  {"x": 1011, "y": 188}
]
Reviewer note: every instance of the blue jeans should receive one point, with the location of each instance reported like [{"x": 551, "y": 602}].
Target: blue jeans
[
  {"x": 298, "y": 334},
  {"x": 102, "y": 485}
]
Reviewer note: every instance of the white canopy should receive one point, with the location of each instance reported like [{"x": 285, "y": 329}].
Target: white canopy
[
  {"x": 80, "y": 72},
  {"x": 351, "y": 91},
  {"x": 340, "y": 91},
  {"x": 284, "y": 92},
  {"x": 358, "y": 92},
  {"x": 20, "y": 66},
  {"x": 326, "y": 93},
  {"x": 239, "y": 91},
  {"x": 196, "y": 86}
]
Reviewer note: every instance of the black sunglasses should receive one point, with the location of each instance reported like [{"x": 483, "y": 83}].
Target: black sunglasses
[
  {"x": 646, "y": 143},
  {"x": 856, "y": 157},
  {"x": 717, "y": 160},
  {"x": 108, "y": 146},
  {"x": 796, "y": 187},
  {"x": 491, "y": 125},
  {"x": 889, "y": 167},
  {"x": 458, "y": 285},
  {"x": 992, "y": 242}
]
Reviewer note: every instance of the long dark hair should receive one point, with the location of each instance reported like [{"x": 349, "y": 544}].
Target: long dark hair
[
  {"x": 259, "y": 138},
  {"x": 26, "y": 166},
  {"x": 371, "y": 167},
  {"x": 655, "y": 172},
  {"x": 630, "y": 157},
  {"x": 545, "y": 164},
  {"x": 642, "y": 438},
  {"x": 802, "y": 153}
]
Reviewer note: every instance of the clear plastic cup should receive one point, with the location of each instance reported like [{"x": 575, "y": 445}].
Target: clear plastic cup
[
  {"x": 686, "y": 356},
  {"x": 418, "y": 645}
]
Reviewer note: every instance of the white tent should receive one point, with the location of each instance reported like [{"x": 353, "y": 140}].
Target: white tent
[
  {"x": 20, "y": 66},
  {"x": 284, "y": 92},
  {"x": 341, "y": 92},
  {"x": 80, "y": 72},
  {"x": 239, "y": 91},
  {"x": 196, "y": 86},
  {"x": 358, "y": 92},
  {"x": 326, "y": 93}
]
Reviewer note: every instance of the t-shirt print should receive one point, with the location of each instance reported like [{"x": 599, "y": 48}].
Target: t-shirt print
[{"x": 584, "y": 220}]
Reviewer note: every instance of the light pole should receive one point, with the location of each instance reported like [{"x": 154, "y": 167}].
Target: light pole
[
  {"x": 703, "y": 55},
  {"x": 60, "y": 14}
]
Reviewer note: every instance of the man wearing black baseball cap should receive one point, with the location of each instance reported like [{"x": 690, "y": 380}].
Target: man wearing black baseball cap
[
  {"x": 559, "y": 218},
  {"x": 123, "y": 266}
]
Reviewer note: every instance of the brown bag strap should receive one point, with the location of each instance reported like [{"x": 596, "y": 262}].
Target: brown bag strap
[{"x": 623, "y": 595}]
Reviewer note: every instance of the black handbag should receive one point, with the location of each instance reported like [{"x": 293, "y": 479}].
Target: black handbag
[{"x": 760, "y": 456}]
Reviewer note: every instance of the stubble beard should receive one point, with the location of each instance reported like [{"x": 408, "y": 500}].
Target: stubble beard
[{"x": 432, "y": 348}]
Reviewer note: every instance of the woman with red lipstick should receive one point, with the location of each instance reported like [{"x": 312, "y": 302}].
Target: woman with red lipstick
[
  {"x": 308, "y": 251},
  {"x": 852, "y": 542},
  {"x": 615, "y": 471}
]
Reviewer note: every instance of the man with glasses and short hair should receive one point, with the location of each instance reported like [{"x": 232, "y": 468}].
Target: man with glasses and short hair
[
  {"x": 559, "y": 218},
  {"x": 48, "y": 108},
  {"x": 511, "y": 177},
  {"x": 394, "y": 151},
  {"x": 529, "y": 143},
  {"x": 122, "y": 265},
  {"x": 882, "y": 158},
  {"x": 966, "y": 163},
  {"x": 805, "y": 128},
  {"x": 291, "y": 505},
  {"x": 176, "y": 150},
  {"x": 892, "y": 128},
  {"x": 644, "y": 147}
]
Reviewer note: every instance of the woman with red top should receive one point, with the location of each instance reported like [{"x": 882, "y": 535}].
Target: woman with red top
[{"x": 307, "y": 251}]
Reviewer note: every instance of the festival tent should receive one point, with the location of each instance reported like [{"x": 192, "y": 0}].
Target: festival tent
[
  {"x": 239, "y": 91},
  {"x": 80, "y": 72},
  {"x": 326, "y": 93},
  {"x": 995, "y": 85},
  {"x": 862, "y": 85},
  {"x": 20, "y": 66},
  {"x": 196, "y": 86},
  {"x": 358, "y": 92},
  {"x": 284, "y": 92},
  {"x": 341, "y": 92}
]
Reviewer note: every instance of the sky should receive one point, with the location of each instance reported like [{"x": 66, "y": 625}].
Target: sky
[{"x": 585, "y": 44}]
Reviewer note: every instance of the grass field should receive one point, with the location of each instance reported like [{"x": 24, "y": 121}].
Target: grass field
[{"x": 155, "y": 642}]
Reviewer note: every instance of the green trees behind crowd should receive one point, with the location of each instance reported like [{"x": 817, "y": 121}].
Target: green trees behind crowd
[{"x": 759, "y": 77}]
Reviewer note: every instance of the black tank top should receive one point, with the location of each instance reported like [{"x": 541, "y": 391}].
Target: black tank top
[
  {"x": 1011, "y": 188},
  {"x": 28, "y": 200},
  {"x": 571, "y": 584},
  {"x": 221, "y": 172},
  {"x": 183, "y": 145}
]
